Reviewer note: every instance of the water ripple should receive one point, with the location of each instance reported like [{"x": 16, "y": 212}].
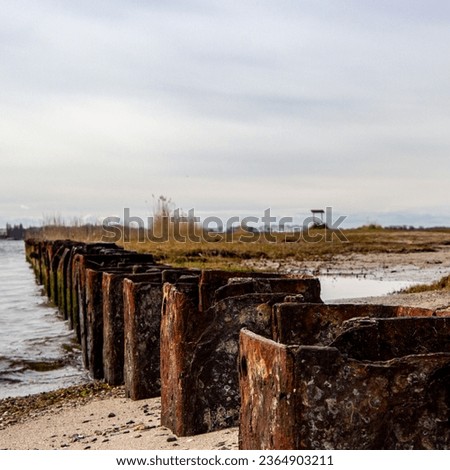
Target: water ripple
[{"x": 35, "y": 345}]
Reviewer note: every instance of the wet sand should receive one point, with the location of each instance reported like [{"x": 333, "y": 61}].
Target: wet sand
[{"x": 420, "y": 267}]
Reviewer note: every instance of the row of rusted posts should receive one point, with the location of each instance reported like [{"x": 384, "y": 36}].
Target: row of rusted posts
[
  {"x": 201, "y": 320},
  {"x": 159, "y": 330},
  {"x": 256, "y": 350}
]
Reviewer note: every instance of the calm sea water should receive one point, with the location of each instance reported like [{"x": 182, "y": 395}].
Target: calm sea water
[
  {"x": 36, "y": 347},
  {"x": 353, "y": 287}
]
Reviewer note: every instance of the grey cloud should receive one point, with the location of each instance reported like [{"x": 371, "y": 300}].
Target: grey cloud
[{"x": 152, "y": 96}]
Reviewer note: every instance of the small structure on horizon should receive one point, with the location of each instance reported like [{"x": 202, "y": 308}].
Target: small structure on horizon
[{"x": 318, "y": 217}]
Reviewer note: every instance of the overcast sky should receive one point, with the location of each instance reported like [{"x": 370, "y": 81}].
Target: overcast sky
[{"x": 228, "y": 107}]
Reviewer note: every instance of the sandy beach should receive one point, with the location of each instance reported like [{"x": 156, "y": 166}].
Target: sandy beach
[{"x": 105, "y": 419}]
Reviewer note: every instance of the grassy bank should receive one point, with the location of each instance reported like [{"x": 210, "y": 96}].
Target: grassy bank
[
  {"x": 226, "y": 251},
  {"x": 441, "y": 285}
]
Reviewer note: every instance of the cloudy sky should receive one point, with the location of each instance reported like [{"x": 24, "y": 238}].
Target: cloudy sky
[{"x": 228, "y": 107}]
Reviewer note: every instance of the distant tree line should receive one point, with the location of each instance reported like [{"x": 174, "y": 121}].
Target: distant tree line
[{"x": 16, "y": 232}]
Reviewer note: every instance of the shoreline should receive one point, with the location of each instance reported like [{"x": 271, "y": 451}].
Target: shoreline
[
  {"x": 96, "y": 416},
  {"x": 418, "y": 267}
]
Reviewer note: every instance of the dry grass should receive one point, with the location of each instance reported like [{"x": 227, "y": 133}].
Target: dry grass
[
  {"x": 442, "y": 284},
  {"x": 226, "y": 251}
]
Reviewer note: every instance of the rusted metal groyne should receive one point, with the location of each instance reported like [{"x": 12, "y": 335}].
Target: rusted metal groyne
[
  {"x": 256, "y": 350},
  {"x": 160, "y": 330},
  {"x": 346, "y": 377}
]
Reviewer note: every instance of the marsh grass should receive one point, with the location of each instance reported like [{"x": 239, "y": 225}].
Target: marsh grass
[
  {"x": 442, "y": 284},
  {"x": 186, "y": 244},
  {"x": 58, "y": 228},
  {"x": 226, "y": 251}
]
